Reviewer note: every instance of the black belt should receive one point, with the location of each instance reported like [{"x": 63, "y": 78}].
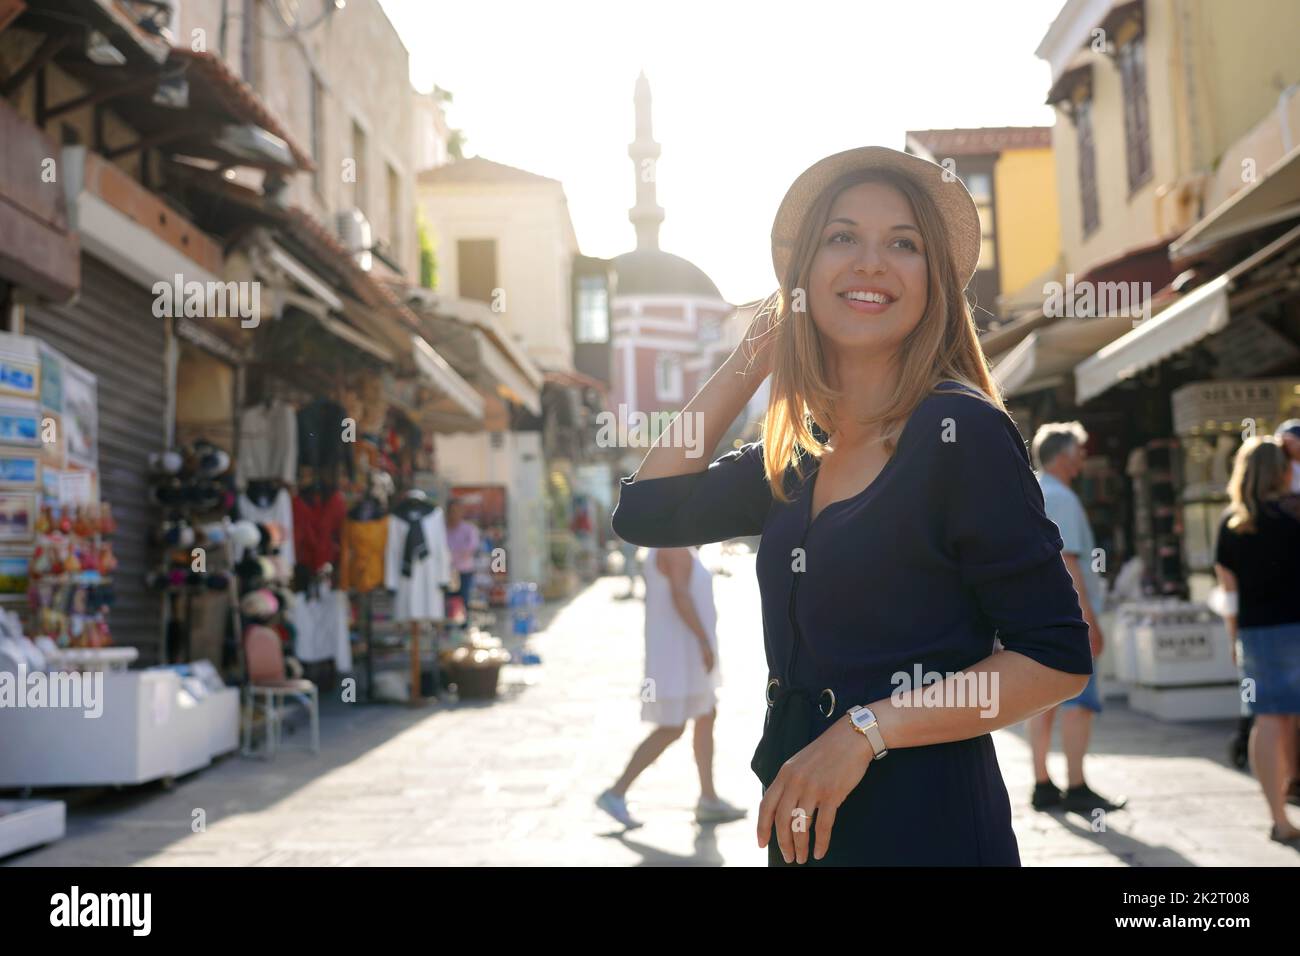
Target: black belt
[
  {"x": 825, "y": 700},
  {"x": 793, "y": 718}
]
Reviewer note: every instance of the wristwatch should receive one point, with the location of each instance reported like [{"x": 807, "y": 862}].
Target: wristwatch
[{"x": 865, "y": 722}]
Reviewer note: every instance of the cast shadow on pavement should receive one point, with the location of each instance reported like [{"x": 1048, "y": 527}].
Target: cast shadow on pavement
[{"x": 706, "y": 849}]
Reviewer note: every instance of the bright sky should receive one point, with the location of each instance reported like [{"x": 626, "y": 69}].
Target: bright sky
[{"x": 745, "y": 96}]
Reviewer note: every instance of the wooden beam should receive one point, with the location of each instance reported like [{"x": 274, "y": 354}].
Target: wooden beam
[
  {"x": 44, "y": 54},
  {"x": 157, "y": 139},
  {"x": 96, "y": 97},
  {"x": 9, "y": 10}
]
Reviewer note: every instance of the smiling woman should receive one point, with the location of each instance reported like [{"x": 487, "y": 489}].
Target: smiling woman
[{"x": 902, "y": 528}]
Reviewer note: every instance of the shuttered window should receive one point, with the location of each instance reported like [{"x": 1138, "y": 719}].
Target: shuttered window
[
  {"x": 1137, "y": 128},
  {"x": 1091, "y": 208}
]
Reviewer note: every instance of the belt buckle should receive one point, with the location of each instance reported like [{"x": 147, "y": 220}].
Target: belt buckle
[
  {"x": 821, "y": 699},
  {"x": 768, "y": 693}
]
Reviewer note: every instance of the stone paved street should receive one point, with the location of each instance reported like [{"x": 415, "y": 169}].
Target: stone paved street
[{"x": 513, "y": 782}]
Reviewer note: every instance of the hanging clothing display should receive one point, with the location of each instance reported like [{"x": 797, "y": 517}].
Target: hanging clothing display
[
  {"x": 263, "y": 504},
  {"x": 268, "y": 443},
  {"x": 320, "y": 624},
  {"x": 361, "y": 559},
  {"x": 320, "y": 438},
  {"x": 317, "y": 527},
  {"x": 417, "y": 560}
]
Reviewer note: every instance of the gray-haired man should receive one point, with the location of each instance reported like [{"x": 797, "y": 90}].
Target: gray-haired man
[{"x": 1058, "y": 450}]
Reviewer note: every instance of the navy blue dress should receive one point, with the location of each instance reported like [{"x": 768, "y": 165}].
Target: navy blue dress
[{"x": 947, "y": 548}]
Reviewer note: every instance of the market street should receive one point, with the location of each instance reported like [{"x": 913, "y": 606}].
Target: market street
[{"x": 512, "y": 782}]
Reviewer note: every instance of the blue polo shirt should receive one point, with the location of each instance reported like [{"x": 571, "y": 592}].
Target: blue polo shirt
[{"x": 1066, "y": 511}]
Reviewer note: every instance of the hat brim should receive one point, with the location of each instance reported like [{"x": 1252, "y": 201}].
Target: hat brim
[{"x": 955, "y": 205}]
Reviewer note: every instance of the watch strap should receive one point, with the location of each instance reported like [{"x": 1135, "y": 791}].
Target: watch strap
[{"x": 871, "y": 731}]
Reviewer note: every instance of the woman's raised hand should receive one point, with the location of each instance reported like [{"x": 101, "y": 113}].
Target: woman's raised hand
[{"x": 754, "y": 354}]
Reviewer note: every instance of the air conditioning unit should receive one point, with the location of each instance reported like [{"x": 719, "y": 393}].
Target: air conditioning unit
[
  {"x": 357, "y": 237},
  {"x": 255, "y": 144}
]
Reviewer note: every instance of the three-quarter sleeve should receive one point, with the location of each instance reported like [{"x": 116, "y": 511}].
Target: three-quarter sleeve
[
  {"x": 1225, "y": 547},
  {"x": 1007, "y": 549},
  {"x": 729, "y": 499}
]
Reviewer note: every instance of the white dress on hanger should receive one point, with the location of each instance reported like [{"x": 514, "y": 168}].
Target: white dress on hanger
[
  {"x": 419, "y": 597},
  {"x": 321, "y": 628}
]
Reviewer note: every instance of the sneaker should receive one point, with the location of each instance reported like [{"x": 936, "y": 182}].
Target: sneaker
[
  {"x": 1046, "y": 796},
  {"x": 616, "y": 807},
  {"x": 716, "y": 810},
  {"x": 1084, "y": 800}
]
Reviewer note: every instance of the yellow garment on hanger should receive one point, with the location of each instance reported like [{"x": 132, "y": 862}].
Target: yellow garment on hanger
[{"x": 361, "y": 558}]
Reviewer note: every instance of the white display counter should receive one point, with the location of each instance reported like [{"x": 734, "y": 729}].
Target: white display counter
[
  {"x": 1176, "y": 660},
  {"x": 29, "y": 823},
  {"x": 151, "y": 728}
]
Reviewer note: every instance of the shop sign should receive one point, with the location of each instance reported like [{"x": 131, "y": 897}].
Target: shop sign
[
  {"x": 1216, "y": 406},
  {"x": 1183, "y": 645}
]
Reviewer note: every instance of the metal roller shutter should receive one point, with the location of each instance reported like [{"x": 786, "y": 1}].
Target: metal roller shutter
[{"x": 112, "y": 332}]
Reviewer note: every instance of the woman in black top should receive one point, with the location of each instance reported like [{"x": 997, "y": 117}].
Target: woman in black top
[
  {"x": 1257, "y": 560},
  {"x": 902, "y": 528}
]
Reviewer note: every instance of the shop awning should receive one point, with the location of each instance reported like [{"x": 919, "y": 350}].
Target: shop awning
[
  {"x": 444, "y": 378},
  {"x": 317, "y": 299},
  {"x": 1046, "y": 357},
  {"x": 462, "y": 330},
  {"x": 1274, "y": 198},
  {"x": 1201, "y": 312}
]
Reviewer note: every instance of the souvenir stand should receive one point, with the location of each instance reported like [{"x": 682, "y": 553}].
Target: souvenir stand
[
  {"x": 123, "y": 726},
  {"x": 360, "y": 595}
]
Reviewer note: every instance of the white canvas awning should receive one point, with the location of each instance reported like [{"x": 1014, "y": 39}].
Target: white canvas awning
[
  {"x": 444, "y": 378},
  {"x": 1046, "y": 357},
  {"x": 1274, "y": 198},
  {"x": 1201, "y": 312}
]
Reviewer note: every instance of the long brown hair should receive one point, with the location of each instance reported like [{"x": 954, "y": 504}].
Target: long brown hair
[
  {"x": 1257, "y": 476},
  {"x": 944, "y": 344}
]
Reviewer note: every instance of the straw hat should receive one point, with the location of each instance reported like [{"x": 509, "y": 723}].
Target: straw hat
[{"x": 949, "y": 195}]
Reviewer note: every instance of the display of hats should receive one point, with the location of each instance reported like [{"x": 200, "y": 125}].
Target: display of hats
[
  {"x": 214, "y": 532},
  {"x": 245, "y": 534},
  {"x": 166, "y": 462},
  {"x": 209, "y": 461},
  {"x": 178, "y": 534},
  {"x": 169, "y": 493},
  {"x": 248, "y": 568},
  {"x": 260, "y": 604},
  {"x": 269, "y": 569},
  {"x": 274, "y": 535}
]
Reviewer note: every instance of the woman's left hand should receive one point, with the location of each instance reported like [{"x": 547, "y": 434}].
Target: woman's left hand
[{"x": 816, "y": 780}]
